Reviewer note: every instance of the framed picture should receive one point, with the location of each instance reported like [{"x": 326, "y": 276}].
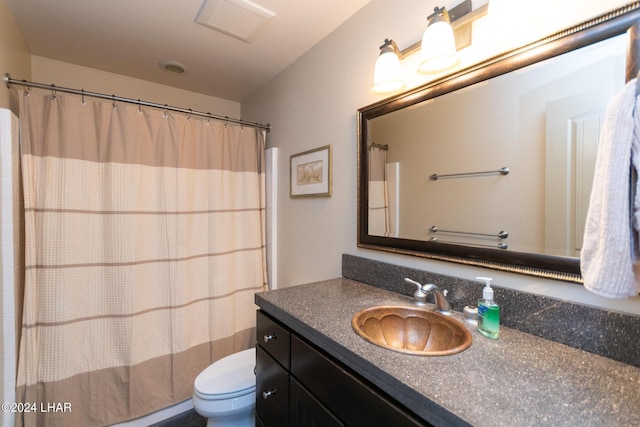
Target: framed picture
[{"x": 310, "y": 173}]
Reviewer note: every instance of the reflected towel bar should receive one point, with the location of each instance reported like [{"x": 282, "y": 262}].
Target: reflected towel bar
[
  {"x": 499, "y": 245},
  {"x": 502, "y": 171},
  {"x": 503, "y": 234}
]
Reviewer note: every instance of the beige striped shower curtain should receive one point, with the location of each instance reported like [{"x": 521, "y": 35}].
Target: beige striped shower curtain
[
  {"x": 378, "y": 197},
  {"x": 145, "y": 245}
]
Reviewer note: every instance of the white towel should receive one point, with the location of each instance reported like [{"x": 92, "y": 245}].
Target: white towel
[{"x": 609, "y": 259}]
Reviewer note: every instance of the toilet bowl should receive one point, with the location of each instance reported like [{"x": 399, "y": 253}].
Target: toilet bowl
[{"x": 225, "y": 392}]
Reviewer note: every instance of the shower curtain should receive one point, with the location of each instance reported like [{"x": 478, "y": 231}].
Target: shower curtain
[
  {"x": 378, "y": 199},
  {"x": 145, "y": 245}
]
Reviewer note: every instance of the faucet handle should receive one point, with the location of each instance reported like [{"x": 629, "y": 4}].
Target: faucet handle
[
  {"x": 443, "y": 305},
  {"x": 419, "y": 295},
  {"x": 413, "y": 282}
]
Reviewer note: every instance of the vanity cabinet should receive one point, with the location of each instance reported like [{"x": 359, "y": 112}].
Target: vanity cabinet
[{"x": 298, "y": 385}]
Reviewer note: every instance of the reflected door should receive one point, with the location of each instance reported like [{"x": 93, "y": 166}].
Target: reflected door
[{"x": 573, "y": 131}]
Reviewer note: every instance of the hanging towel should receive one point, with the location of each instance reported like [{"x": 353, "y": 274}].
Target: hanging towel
[{"x": 610, "y": 259}]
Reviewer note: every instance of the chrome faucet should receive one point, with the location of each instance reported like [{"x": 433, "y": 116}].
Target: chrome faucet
[{"x": 420, "y": 296}]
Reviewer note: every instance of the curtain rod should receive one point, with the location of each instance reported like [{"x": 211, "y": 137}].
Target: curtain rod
[{"x": 7, "y": 78}]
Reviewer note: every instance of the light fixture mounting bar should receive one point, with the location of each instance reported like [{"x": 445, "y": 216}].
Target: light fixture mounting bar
[{"x": 461, "y": 17}]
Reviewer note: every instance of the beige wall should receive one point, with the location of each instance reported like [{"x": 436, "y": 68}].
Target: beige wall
[
  {"x": 15, "y": 57},
  {"x": 314, "y": 102},
  {"x": 45, "y": 70}
]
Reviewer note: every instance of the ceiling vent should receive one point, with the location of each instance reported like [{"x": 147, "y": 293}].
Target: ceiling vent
[{"x": 237, "y": 18}]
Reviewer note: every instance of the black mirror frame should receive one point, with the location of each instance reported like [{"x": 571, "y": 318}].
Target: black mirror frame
[{"x": 611, "y": 24}]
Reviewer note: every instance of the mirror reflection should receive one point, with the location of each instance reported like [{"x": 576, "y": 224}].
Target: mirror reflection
[{"x": 542, "y": 122}]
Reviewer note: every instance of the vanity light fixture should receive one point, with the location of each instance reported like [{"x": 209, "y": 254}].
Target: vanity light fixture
[
  {"x": 438, "y": 52},
  {"x": 448, "y": 31},
  {"x": 387, "y": 75}
]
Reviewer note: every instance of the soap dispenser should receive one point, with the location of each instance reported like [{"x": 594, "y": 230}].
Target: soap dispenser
[{"x": 488, "y": 312}]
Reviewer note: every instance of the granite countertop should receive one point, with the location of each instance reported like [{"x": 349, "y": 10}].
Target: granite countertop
[{"x": 518, "y": 380}]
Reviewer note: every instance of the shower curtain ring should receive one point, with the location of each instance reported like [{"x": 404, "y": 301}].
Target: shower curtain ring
[
  {"x": 113, "y": 103},
  {"x": 189, "y": 115},
  {"x": 208, "y": 118},
  {"x": 26, "y": 88},
  {"x": 226, "y": 121},
  {"x": 83, "y": 100},
  {"x": 165, "y": 114},
  {"x": 53, "y": 92},
  {"x": 139, "y": 107}
]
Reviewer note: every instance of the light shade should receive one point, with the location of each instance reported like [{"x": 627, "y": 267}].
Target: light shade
[
  {"x": 438, "y": 52},
  {"x": 387, "y": 76}
]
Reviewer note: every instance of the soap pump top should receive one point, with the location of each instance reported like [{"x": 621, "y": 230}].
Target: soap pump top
[{"x": 487, "y": 292}]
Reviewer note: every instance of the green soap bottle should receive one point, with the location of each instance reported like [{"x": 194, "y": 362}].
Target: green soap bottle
[{"x": 488, "y": 312}]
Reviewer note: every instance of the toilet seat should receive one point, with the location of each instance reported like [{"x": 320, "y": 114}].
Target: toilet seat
[{"x": 230, "y": 377}]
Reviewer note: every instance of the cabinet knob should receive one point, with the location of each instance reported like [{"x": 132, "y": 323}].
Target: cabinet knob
[
  {"x": 268, "y": 394},
  {"x": 270, "y": 337}
]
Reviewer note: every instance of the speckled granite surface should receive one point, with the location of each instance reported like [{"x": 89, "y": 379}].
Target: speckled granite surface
[
  {"x": 606, "y": 333},
  {"x": 518, "y": 380}
]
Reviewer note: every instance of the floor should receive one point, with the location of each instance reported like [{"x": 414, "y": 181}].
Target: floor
[{"x": 186, "y": 419}]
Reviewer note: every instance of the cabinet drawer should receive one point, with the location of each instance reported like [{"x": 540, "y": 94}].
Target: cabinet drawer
[
  {"x": 273, "y": 338},
  {"x": 272, "y": 390},
  {"x": 350, "y": 398}
]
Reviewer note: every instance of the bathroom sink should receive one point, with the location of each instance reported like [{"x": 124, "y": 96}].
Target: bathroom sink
[{"x": 412, "y": 330}]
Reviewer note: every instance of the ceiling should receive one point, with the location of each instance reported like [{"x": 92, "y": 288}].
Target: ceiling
[{"x": 131, "y": 37}]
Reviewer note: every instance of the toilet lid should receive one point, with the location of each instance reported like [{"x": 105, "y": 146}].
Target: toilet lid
[{"x": 228, "y": 376}]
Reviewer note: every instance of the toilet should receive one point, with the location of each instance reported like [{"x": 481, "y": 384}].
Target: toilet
[{"x": 225, "y": 392}]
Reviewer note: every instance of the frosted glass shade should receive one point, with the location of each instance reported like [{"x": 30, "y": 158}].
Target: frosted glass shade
[
  {"x": 387, "y": 76},
  {"x": 438, "y": 52}
]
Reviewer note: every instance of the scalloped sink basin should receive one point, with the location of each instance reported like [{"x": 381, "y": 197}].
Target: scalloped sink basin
[{"x": 412, "y": 330}]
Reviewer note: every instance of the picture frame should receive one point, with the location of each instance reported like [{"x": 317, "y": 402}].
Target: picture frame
[{"x": 311, "y": 172}]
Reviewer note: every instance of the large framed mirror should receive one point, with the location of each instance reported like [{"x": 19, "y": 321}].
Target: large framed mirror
[{"x": 492, "y": 165}]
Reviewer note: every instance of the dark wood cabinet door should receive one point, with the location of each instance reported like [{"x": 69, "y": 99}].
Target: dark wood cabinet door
[
  {"x": 352, "y": 400},
  {"x": 272, "y": 391},
  {"x": 306, "y": 411}
]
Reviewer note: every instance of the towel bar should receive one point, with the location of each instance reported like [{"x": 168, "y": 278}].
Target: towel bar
[
  {"x": 501, "y": 234},
  {"x": 502, "y": 171},
  {"x": 499, "y": 245}
]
